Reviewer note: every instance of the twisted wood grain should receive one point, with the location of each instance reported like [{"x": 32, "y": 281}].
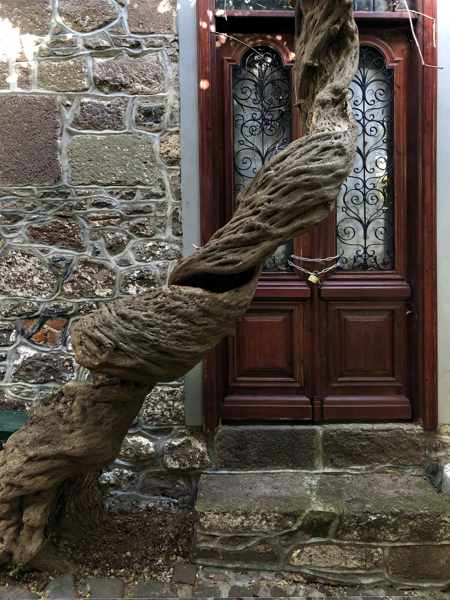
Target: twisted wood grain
[{"x": 132, "y": 343}]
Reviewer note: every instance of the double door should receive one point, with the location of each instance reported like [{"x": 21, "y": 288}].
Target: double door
[{"x": 336, "y": 349}]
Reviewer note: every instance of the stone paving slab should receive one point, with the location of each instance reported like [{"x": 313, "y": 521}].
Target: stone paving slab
[{"x": 212, "y": 583}]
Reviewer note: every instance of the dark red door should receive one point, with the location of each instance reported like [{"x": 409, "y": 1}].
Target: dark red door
[{"x": 338, "y": 349}]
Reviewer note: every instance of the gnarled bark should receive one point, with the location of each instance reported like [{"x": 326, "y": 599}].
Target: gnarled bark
[{"x": 132, "y": 343}]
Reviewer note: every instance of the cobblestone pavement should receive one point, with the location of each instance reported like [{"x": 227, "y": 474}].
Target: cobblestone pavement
[{"x": 188, "y": 581}]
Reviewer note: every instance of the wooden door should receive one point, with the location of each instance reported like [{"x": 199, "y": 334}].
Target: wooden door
[{"x": 338, "y": 350}]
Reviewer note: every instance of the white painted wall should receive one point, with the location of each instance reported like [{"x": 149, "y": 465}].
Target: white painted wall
[
  {"x": 187, "y": 29},
  {"x": 443, "y": 217}
]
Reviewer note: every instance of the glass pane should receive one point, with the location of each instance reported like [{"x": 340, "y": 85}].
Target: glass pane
[
  {"x": 365, "y": 208},
  {"x": 262, "y": 117},
  {"x": 384, "y": 5}
]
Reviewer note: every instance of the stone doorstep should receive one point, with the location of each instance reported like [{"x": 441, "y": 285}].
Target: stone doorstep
[
  {"x": 331, "y": 527},
  {"x": 316, "y": 447}
]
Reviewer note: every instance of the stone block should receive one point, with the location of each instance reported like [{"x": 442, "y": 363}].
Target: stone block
[
  {"x": 148, "y": 591},
  {"x": 41, "y": 280},
  {"x": 239, "y": 522},
  {"x": 150, "y": 113},
  {"x": 332, "y": 556},
  {"x": 43, "y": 367},
  {"x": 63, "y": 75},
  {"x": 425, "y": 564},
  {"x": 356, "y": 445},
  {"x": 7, "y": 333},
  {"x": 137, "y": 448},
  {"x": 163, "y": 406},
  {"x": 104, "y": 588},
  {"x": 152, "y": 16},
  {"x": 29, "y": 17},
  {"x": 156, "y": 251},
  {"x": 101, "y": 113},
  {"x": 164, "y": 485},
  {"x": 138, "y": 280},
  {"x": 118, "y": 478},
  {"x": 185, "y": 573},
  {"x": 87, "y": 15},
  {"x": 112, "y": 159},
  {"x": 29, "y": 129},
  {"x": 4, "y": 75},
  {"x": 14, "y": 592},
  {"x": 267, "y": 447},
  {"x": 63, "y": 232},
  {"x": 130, "y": 74},
  {"x": 90, "y": 279},
  {"x": 62, "y": 588},
  {"x": 169, "y": 148},
  {"x": 184, "y": 453},
  {"x": 50, "y": 333}
]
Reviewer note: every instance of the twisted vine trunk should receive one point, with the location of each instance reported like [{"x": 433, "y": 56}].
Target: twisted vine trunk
[{"x": 133, "y": 343}]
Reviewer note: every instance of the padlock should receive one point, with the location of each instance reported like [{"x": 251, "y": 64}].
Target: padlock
[{"x": 313, "y": 278}]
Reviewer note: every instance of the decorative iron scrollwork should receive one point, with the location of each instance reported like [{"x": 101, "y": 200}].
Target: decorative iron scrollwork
[
  {"x": 262, "y": 112},
  {"x": 365, "y": 208}
]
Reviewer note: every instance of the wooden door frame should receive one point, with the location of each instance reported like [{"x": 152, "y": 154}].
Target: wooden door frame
[{"x": 424, "y": 348}]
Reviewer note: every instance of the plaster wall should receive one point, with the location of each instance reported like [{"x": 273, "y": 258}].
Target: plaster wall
[{"x": 443, "y": 181}]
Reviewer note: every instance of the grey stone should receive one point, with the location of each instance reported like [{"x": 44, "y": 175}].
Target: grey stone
[
  {"x": 174, "y": 487},
  {"x": 149, "y": 590},
  {"x": 101, "y": 113},
  {"x": 354, "y": 445},
  {"x": 186, "y": 453},
  {"x": 29, "y": 17},
  {"x": 332, "y": 556},
  {"x": 169, "y": 148},
  {"x": 138, "y": 448},
  {"x": 177, "y": 222},
  {"x": 205, "y": 591},
  {"x": 29, "y": 129},
  {"x": 115, "y": 240},
  {"x": 139, "y": 280},
  {"x": 41, "y": 280},
  {"x": 113, "y": 159},
  {"x": 17, "y": 308},
  {"x": 90, "y": 279},
  {"x": 156, "y": 251},
  {"x": 267, "y": 446},
  {"x": 152, "y": 16},
  {"x": 62, "y": 588},
  {"x": 150, "y": 113},
  {"x": 132, "y": 75},
  {"x": 13, "y": 592},
  {"x": 88, "y": 15},
  {"x": 185, "y": 573},
  {"x": 60, "y": 75},
  {"x": 163, "y": 406},
  {"x": 7, "y": 333},
  {"x": 419, "y": 563},
  {"x": 43, "y": 368},
  {"x": 63, "y": 232},
  {"x": 152, "y": 224},
  {"x": 238, "y": 591},
  {"x": 118, "y": 478},
  {"x": 105, "y": 588},
  {"x": 4, "y": 75},
  {"x": 59, "y": 46}
]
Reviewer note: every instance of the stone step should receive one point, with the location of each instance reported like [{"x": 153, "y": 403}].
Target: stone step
[
  {"x": 322, "y": 447},
  {"x": 346, "y": 528}
]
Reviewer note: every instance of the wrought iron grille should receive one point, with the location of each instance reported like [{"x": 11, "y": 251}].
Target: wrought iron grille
[
  {"x": 262, "y": 114},
  {"x": 365, "y": 208}
]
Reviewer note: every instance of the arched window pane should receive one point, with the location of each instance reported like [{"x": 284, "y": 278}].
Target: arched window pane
[
  {"x": 262, "y": 121},
  {"x": 365, "y": 208}
]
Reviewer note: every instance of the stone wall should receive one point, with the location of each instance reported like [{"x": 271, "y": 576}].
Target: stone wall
[{"x": 90, "y": 202}]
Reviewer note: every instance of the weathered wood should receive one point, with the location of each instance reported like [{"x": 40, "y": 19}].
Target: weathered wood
[{"x": 132, "y": 343}]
